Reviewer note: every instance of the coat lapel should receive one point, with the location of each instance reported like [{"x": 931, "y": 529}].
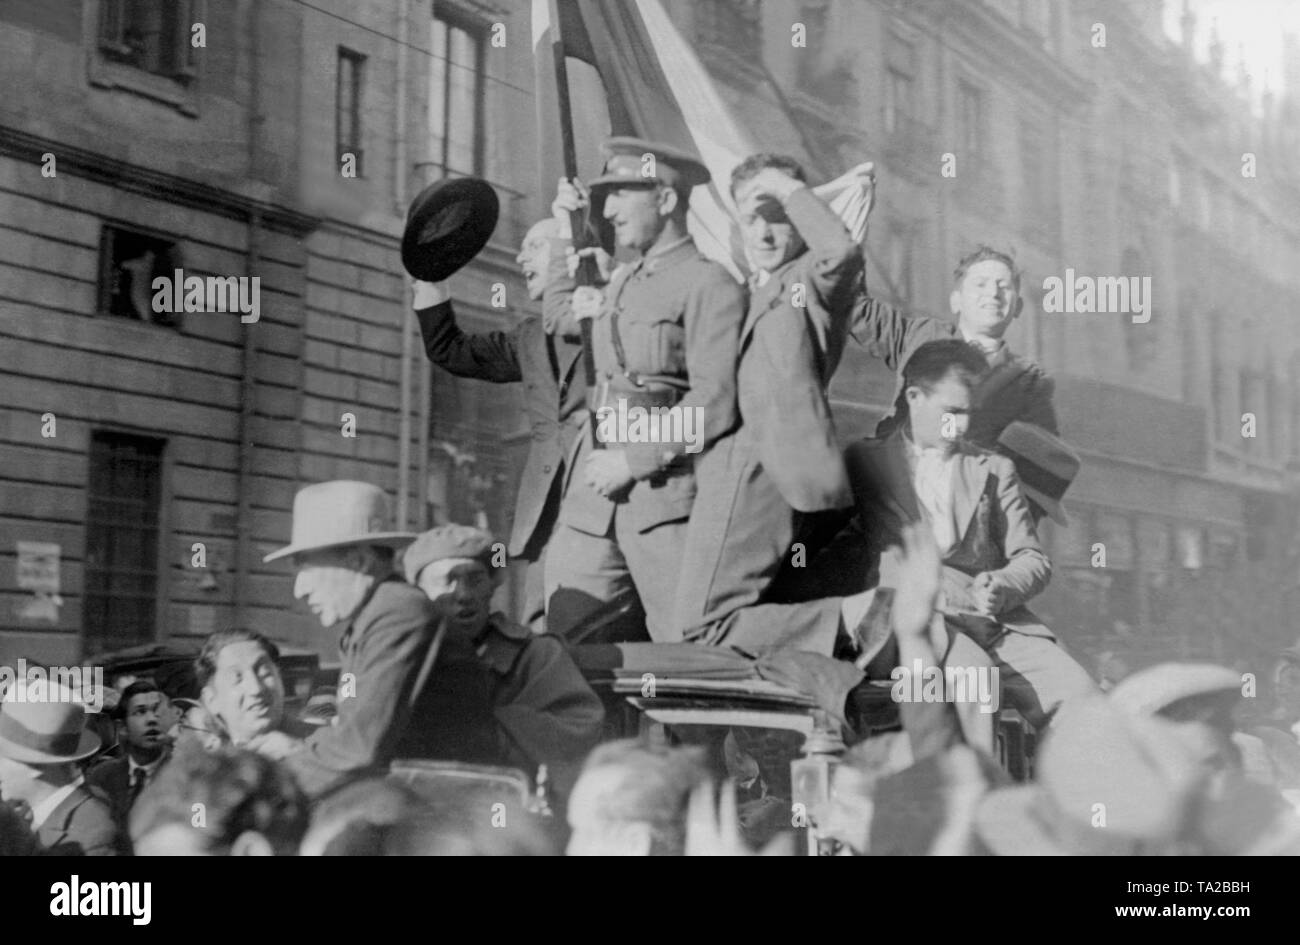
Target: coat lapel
[
  {"x": 883, "y": 477},
  {"x": 970, "y": 474}
]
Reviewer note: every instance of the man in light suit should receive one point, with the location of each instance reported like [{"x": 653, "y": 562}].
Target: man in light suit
[
  {"x": 971, "y": 499},
  {"x": 40, "y": 744},
  {"x": 993, "y": 563},
  {"x": 541, "y": 352},
  {"x": 762, "y": 487}
]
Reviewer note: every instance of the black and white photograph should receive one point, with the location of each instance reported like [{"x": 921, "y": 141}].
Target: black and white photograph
[{"x": 651, "y": 428}]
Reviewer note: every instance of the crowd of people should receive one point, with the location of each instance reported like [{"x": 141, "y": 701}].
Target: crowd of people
[{"x": 917, "y": 547}]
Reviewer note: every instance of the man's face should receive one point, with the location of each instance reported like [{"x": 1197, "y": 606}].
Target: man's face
[
  {"x": 246, "y": 692},
  {"x": 18, "y": 782},
  {"x": 635, "y": 215},
  {"x": 593, "y": 835},
  {"x": 941, "y": 416},
  {"x": 145, "y": 722},
  {"x": 987, "y": 300},
  {"x": 770, "y": 237},
  {"x": 462, "y": 590},
  {"x": 535, "y": 258},
  {"x": 332, "y": 583}
]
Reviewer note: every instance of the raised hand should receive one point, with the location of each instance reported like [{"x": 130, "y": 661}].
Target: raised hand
[{"x": 918, "y": 577}]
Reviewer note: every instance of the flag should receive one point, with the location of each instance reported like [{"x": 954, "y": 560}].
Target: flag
[{"x": 655, "y": 87}]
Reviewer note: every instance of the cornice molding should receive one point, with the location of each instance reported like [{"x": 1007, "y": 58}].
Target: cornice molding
[{"x": 149, "y": 182}]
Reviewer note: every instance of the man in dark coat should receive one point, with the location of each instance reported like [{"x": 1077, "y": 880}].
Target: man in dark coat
[
  {"x": 142, "y": 731},
  {"x": 985, "y": 300},
  {"x": 40, "y": 745},
  {"x": 545, "y": 711},
  {"x": 541, "y": 352}
]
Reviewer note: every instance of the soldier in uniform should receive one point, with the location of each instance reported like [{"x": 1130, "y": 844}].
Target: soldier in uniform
[{"x": 665, "y": 336}]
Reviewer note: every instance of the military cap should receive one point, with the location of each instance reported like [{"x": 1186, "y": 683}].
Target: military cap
[
  {"x": 672, "y": 167},
  {"x": 446, "y": 541},
  {"x": 1152, "y": 690}
]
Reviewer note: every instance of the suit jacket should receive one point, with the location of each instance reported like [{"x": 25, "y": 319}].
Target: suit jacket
[
  {"x": 994, "y": 527},
  {"x": 82, "y": 825},
  {"x": 1016, "y": 389},
  {"x": 788, "y": 353},
  {"x": 554, "y": 397},
  {"x": 384, "y": 650}
]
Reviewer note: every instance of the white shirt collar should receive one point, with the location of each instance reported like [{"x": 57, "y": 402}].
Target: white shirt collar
[
  {"x": 132, "y": 765},
  {"x": 42, "y": 811},
  {"x": 995, "y": 352}
]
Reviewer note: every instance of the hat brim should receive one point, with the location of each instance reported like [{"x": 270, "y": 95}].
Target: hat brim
[
  {"x": 608, "y": 181},
  {"x": 86, "y": 746},
  {"x": 1053, "y": 507},
  {"x": 387, "y": 539},
  {"x": 448, "y": 224}
]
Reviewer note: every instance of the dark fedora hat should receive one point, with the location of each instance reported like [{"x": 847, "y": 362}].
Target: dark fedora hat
[
  {"x": 1045, "y": 464},
  {"x": 447, "y": 225}
]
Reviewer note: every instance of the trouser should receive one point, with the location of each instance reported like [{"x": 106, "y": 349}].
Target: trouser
[
  {"x": 584, "y": 571},
  {"x": 1037, "y": 675},
  {"x": 742, "y": 536},
  {"x": 532, "y": 613}
]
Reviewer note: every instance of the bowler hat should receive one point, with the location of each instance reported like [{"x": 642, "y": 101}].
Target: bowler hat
[
  {"x": 46, "y": 731},
  {"x": 1045, "y": 465},
  {"x": 670, "y": 166},
  {"x": 448, "y": 224},
  {"x": 338, "y": 513}
]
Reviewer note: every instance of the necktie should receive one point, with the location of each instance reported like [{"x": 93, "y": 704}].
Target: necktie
[{"x": 138, "y": 778}]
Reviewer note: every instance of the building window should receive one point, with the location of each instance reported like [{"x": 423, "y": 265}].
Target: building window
[
  {"x": 813, "y": 64},
  {"x": 349, "y": 96},
  {"x": 1139, "y": 338},
  {"x": 129, "y": 262},
  {"x": 970, "y": 119},
  {"x": 121, "y": 566},
  {"x": 898, "y": 265},
  {"x": 1036, "y": 16},
  {"x": 736, "y": 25},
  {"x": 153, "y": 35},
  {"x": 1038, "y": 179},
  {"x": 900, "y": 84},
  {"x": 456, "y": 95}
]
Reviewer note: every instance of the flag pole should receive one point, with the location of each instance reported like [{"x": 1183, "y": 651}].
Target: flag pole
[{"x": 586, "y": 274}]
